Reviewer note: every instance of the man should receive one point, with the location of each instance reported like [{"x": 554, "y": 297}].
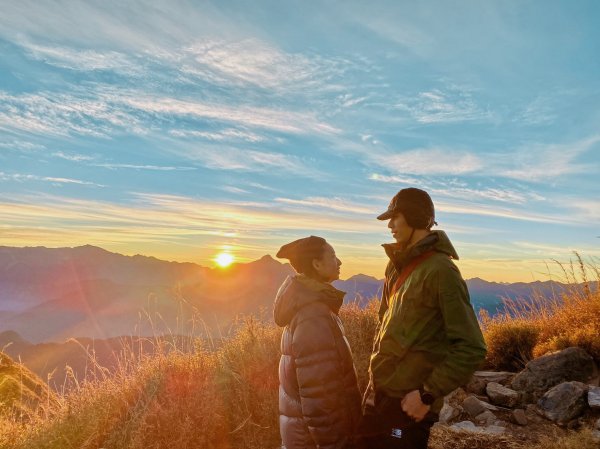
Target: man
[{"x": 428, "y": 341}]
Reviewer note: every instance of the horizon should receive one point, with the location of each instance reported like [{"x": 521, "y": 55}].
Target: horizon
[
  {"x": 216, "y": 267},
  {"x": 187, "y": 131}
]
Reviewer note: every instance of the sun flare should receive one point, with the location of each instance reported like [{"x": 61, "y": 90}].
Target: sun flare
[{"x": 224, "y": 259}]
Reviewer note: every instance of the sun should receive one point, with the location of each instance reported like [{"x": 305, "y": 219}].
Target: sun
[{"x": 224, "y": 259}]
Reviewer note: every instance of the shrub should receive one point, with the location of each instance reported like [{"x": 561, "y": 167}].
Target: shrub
[{"x": 510, "y": 342}]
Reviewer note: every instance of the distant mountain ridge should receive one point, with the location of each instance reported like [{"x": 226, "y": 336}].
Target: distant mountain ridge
[{"x": 50, "y": 294}]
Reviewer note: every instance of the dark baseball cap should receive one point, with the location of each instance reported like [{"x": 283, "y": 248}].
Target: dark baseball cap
[{"x": 416, "y": 206}]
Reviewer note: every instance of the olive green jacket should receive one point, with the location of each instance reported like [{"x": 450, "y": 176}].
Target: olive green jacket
[{"x": 428, "y": 335}]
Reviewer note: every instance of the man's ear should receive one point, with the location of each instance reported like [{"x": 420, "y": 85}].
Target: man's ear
[{"x": 316, "y": 263}]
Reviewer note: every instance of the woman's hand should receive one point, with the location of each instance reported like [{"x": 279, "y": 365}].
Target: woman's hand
[{"x": 413, "y": 407}]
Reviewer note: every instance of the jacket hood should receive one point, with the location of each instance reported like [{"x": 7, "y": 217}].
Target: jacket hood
[
  {"x": 437, "y": 240},
  {"x": 298, "y": 291}
]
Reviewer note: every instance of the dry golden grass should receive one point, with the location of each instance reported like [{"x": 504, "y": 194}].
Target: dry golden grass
[
  {"x": 185, "y": 396},
  {"x": 541, "y": 325}
]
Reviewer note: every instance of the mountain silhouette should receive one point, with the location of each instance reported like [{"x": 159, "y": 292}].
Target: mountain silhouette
[{"x": 51, "y": 294}]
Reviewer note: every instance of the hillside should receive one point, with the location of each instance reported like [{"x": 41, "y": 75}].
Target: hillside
[
  {"x": 22, "y": 393},
  {"x": 90, "y": 292}
]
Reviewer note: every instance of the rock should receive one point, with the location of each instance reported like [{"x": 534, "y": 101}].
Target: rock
[
  {"x": 563, "y": 402},
  {"x": 597, "y": 425},
  {"x": 500, "y": 395},
  {"x": 473, "y": 406},
  {"x": 519, "y": 417},
  {"x": 494, "y": 430},
  {"x": 464, "y": 425},
  {"x": 486, "y": 417},
  {"x": 448, "y": 413},
  {"x": 468, "y": 426},
  {"x": 593, "y": 398},
  {"x": 543, "y": 373},
  {"x": 480, "y": 379},
  {"x": 501, "y": 377}
]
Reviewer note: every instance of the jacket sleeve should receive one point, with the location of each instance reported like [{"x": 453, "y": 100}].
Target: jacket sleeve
[
  {"x": 466, "y": 344},
  {"x": 319, "y": 374}
]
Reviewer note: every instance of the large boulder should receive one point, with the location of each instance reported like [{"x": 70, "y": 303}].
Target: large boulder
[
  {"x": 543, "y": 373},
  {"x": 564, "y": 402}
]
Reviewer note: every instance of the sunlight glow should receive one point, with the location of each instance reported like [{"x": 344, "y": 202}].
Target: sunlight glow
[{"x": 224, "y": 259}]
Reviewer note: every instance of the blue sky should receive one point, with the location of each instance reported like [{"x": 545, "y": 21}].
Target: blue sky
[{"x": 181, "y": 129}]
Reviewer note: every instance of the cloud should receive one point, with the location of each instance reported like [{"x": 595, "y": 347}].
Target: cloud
[
  {"x": 168, "y": 216},
  {"x": 539, "y": 162},
  {"x": 430, "y": 161},
  {"x": 143, "y": 167},
  {"x": 21, "y": 145},
  {"x": 450, "y": 104},
  {"x": 102, "y": 111},
  {"x": 83, "y": 60},
  {"x": 258, "y": 63},
  {"x": 505, "y": 212},
  {"x": 396, "y": 179},
  {"x": 51, "y": 113},
  {"x": 19, "y": 177},
  {"x": 72, "y": 157},
  {"x": 227, "y": 134},
  {"x": 236, "y": 190},
  {"x": 277, "y": 120},
  {"x": 229, "y": 158},
  {"x": 336, "y": 204}
]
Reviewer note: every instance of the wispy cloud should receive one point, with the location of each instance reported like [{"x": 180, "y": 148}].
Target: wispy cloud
[
  {"x": 20, "y": 177},
  {"x": 115, "y": 166},
  {"x": 255, "y": 62},
  {"x": 539, "y": 162},
  {"x": 260, "y": 117},
  {"x": 83, "y": 60},
  {"x": 72, "y": 157},
  {"x": 430, "y": 161},
  {"x": 236, "y": 190},
  {"x": 61, "y": 114},
  {"x": 505, "y": 212},
  {"x": 229, "y": 158},
  {"x": 21, "y": 145},
  {"x": 103, "y": 111},
  {"x": 228, "y": 134},
  {"x": 336, "y": 204},
  {"x": 449, "y": 104}
]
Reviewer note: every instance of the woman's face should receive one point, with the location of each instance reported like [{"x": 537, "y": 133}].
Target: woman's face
[{"x": 328, "y": 266}]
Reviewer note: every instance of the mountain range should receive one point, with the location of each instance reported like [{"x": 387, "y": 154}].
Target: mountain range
[
  {"x": 52, "y": 294},
  {"x": 107, "y": 300}
]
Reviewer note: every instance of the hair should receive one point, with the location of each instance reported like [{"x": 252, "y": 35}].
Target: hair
[{"x": 302, "y": 252}]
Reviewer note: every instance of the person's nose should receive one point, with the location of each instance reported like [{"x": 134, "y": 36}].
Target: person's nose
[
  {"x": 390, "y": 224},
  {"x": 339, "y": 262}
]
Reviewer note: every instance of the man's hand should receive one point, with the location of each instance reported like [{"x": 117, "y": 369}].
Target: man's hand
[{"x": 413, "y": 407}]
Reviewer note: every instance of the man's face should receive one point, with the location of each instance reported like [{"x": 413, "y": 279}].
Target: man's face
[{"x": 401, "y": 231}]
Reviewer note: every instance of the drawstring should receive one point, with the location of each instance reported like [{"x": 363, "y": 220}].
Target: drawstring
[{"x": 406, "y": 245}]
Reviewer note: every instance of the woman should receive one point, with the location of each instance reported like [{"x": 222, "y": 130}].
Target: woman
[{"x": 319, "y": 401}]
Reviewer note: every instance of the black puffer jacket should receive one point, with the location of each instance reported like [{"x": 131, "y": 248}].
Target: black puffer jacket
[{"x": 319, "y": 401}]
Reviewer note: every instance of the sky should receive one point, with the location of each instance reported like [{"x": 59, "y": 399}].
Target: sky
[{"x": 182, "y": 129}]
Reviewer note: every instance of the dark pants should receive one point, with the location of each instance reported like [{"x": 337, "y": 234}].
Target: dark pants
[
  {"x": 385, "y": 426},
  {"x": 409, "y": 437}
]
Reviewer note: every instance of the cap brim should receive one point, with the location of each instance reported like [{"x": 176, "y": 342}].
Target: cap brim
[{"x": 386, "y": 215}]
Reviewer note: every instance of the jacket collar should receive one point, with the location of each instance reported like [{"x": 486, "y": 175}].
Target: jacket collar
[
  {"x": 437, "y": 241},
  {"x": 299, "y": 291}
]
